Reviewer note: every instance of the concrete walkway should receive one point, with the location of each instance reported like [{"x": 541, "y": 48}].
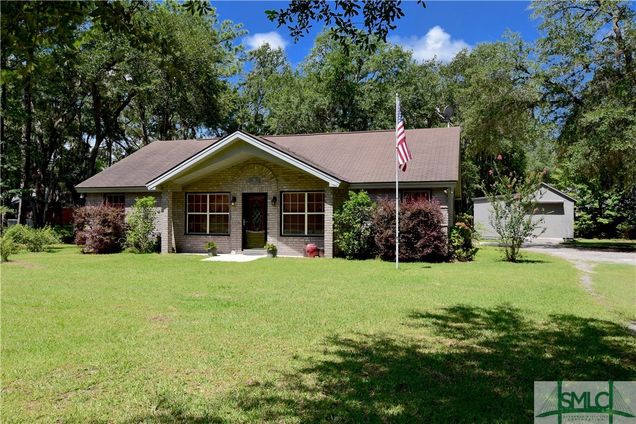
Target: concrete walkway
[{"x": 236, "y": 257}]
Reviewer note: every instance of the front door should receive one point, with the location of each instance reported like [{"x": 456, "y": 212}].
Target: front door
[{"x": 254, "y": 220}]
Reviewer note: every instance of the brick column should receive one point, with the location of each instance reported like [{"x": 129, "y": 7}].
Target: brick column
[
  {"x": 451, "y": 208},
  {"x": 329, "y": 203},
  {"x": 167, "y": 242}
]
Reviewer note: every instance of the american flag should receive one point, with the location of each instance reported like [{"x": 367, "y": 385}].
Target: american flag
[{"x": 403, "y": 152}]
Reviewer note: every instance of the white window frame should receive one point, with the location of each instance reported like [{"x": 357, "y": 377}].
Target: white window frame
[
  {"x": 305, "y": 213},
  {"x": 207, "y": 213}
]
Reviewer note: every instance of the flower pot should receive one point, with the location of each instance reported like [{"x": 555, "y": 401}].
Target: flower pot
[
  {"x": 271, "y": 254},
  {"x": 212, "y": 252}
]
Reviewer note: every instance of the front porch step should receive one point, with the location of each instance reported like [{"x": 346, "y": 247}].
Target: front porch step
[{"x": 258, "y": 252}]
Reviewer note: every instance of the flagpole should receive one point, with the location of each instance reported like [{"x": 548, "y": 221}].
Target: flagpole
[{"x": 397, "y": 193}]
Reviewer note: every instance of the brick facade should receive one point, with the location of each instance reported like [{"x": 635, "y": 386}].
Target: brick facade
[{"x": 252, "y": 176}]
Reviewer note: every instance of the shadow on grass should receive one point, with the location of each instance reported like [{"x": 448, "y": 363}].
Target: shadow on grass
[
  {"x": 526, "y": 261},
  {"x": 479, "y": 366}
]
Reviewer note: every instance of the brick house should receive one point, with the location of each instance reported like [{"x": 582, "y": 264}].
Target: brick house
[{"x": 242, "y": 191}]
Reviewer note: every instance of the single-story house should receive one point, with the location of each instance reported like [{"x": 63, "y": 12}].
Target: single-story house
[
  {"x": 242, "y": 191},
  {"x": 555, "y": 209}
]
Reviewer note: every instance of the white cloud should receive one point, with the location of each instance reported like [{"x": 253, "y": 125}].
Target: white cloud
[
  {"x": 273, "y": 38},
  {"x": 437, "y": 43}
]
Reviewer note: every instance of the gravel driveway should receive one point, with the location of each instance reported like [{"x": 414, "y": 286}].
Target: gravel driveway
[{"x": 577, "y": 255}]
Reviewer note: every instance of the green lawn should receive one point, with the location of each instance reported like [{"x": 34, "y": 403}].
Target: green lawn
[
  {"x": 150, "y": 338},
  {"x": 617, "y": 284}
]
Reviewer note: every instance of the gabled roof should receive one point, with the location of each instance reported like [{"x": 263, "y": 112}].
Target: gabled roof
[
  {"x": 353, "y": 157},
  {"x": 558, "y": 192},
  {"x": 547, "y": 186},
  {"x": 263, "y": 144}
]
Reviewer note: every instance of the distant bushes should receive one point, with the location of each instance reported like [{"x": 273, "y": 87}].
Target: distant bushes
[
  {"x": 31, "y": 239},
  {"x": 99, "y": 229},
  {"x": 363, "y": 229}
]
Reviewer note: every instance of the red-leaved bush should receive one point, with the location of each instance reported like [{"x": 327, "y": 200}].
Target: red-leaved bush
[
  {"x": 422, "y": 237},
  {"x": 99, "y": 229}
]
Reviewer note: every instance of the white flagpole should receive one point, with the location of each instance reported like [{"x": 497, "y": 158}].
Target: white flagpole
[{"x": 397, "y": 193}]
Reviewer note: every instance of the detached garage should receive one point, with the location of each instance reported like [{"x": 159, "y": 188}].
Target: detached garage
[{"x": 555, "y": 207}]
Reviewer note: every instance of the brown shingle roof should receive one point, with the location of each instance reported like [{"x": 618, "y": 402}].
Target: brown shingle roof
[
  {"x": 369, "y": 157},
  {"x": 355, "y": 157},
  {"x": 146, "y": 164}
]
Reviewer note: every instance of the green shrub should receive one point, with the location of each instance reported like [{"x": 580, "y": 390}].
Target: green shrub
[
  {"x": 271, "y": 249},
  {"x": 7, "y": 248},
  {"x": 352, "y": 226},
  {"x": 32, "y": 239},
  {"x": 462, "y": 239},
  {"x": 64, "y": 233},
  {"x": 141, "y": 236}
]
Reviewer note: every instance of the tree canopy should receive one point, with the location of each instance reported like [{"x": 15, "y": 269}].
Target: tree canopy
[{"x": 86, "y": 83}]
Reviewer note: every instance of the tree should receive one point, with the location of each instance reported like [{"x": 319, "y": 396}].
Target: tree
[
  {"x": 589, "y": 84},
  {"x": 84, "y": 83},
  {"x": 513, "y": 201},
  {"x": 346, "y": 88},
  {"x": 378, "y": 16},
  {"x": 270, "y": 72},
  {"x": 497, "y": 97}
]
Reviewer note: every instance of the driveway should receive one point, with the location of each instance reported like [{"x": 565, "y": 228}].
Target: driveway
[{"x": 586, "y": 255}]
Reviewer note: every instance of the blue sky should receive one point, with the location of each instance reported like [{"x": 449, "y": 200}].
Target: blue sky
[{"x": 441, "y": 29}]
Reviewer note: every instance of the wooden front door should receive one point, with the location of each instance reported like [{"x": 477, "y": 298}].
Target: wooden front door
[{"x": 254, "y": 220}]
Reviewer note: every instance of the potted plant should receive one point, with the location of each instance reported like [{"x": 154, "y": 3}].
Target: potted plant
[
  {"x": 271, "y": 250},
  {"x": 211, "y": 248}
]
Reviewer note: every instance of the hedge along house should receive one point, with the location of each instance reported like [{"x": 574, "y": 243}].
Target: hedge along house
[{"x": 242, "y": 191}]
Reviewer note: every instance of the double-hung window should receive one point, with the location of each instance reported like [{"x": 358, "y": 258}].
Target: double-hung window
[
  {"x": 303, "y": 213},
  {"x": 115, "y": 200},
  {"x": 415, "y": 195},
  {"x": 208, "y": 213}
]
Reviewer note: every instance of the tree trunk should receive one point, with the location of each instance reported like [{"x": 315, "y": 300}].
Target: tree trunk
[
  {"x": 25, "y": 150},
  {"x": 99, "y": 133},
  {"x": 3, "y": 99}
]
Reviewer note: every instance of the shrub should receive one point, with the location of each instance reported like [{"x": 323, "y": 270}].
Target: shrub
[
  {"x": 140, "y": 235},
  {"x": 513, "y": 204},
  {"x": 7, "y": 248},
  {"x": 64, "y": 233},
  {"x": 32, "y": 239},
  {"x": 352, "y": 226},
  {"x": 271, "y": 249},
  {"x": 421, "y": 234},
  {"x": 99, "y": 229},
  {"x": 462, "y": 238}
]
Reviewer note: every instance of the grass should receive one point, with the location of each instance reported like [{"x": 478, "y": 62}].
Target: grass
[
  {"x": 622, "y": 245},
  {"x": 148, "y": 338},
  {"x": 617, "y": 284}
]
